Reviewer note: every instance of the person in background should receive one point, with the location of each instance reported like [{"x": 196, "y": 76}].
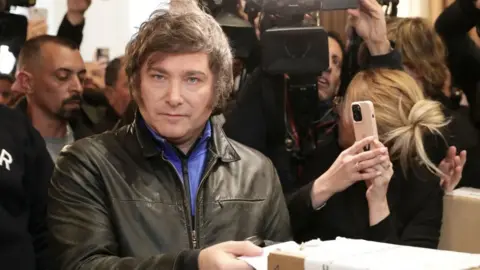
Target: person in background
[
  {"x": 169, "y": 191},
  {"x": 424, "y": 58},
  {"x": 116, "y": 91},
  {"x": 258, "y": 117},
  {"x": 6, "y": 94},
  {"x": 50, "y": 70},
  {"x": 25, "y": 171},
  {"x": 463, "y": 57},
  {"x": 349, "y": 192}
]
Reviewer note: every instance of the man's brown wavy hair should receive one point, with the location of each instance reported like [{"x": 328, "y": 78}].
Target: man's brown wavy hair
[
  {"x": 184, "y": 28},
  {"x": 423, "y": 51}
]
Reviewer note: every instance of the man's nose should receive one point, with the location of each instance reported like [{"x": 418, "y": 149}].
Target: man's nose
[
  {"x": 76, "y": 85},
  {"x": 174, "y": 97}
]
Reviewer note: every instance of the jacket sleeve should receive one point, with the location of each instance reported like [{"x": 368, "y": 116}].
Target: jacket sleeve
[
  {"x": 301, "y": 210},
  {"x": 80, "y": 224},
  {"x": 39, "y": 170},
  {"x": 277, "y": 218},
  {"x": 72, "y": 32},
  {"x": 422, "y": 230}
]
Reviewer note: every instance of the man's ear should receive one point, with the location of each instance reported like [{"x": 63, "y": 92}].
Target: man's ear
[{"x": 23, "y": 82}]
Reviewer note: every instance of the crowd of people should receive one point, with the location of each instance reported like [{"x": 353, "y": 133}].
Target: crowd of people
[{"x": 164, "y": 164}]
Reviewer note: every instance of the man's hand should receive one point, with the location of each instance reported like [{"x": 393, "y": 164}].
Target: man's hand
[
  {"x": 224, "y": 256},
  {"x": 452, "y": 168},
  {"x": 477, "y": 4},
  {"x": 369, "y": 23},
  {"x": 36, "y": 28},
  {"x": 76, "y": 10}
]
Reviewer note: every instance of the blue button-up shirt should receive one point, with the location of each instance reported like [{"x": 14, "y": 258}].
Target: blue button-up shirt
[{"x": 196, "y": 160}]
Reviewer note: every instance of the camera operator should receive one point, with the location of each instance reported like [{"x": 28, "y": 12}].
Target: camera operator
[
  {"x": 463, "y": 54},
  {"x": 257, "y": 118}
]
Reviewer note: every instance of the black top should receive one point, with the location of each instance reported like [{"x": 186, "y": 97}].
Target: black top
[
  {"x": 415, "y": 204},
  {"x": 70, "y": 31},
  {"x": 463, "y": 54},
  {"x": 25, "y": 170}
]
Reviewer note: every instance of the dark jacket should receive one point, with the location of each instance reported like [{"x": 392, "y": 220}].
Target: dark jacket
[
  {"x": 415, "y": 201},
  {"x": 463, "y": 54},
  {"x": 116, "y": 203},
  {"x": 79, "y": 124},
  {"x": 23, "y": 193}
]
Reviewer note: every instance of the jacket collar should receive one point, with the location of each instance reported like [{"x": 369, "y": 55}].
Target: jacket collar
[
  {"x": 219, "y": 142},
  {"x": 79, "y": 129}
]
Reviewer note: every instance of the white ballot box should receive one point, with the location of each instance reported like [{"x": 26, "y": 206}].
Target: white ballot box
[{"x": 348, "y": 254}]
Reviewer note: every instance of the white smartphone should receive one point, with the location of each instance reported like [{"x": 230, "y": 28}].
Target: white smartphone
[
  {"x": 364, "y": 122},
  {"x": 37, "y": 14}
]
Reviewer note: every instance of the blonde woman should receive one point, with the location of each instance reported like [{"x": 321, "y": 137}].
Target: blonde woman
[
  {"x": 393, "y": 197},
  {"x": 424, "y": 58}
]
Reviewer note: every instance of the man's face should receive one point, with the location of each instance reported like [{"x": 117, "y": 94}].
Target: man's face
[
  {"x": 5, "y": 92},
  {"x": 120, "y": 97},
  {"x": 329, "y": 82},
  {"x": 57, "y": 83},
  {"x": 176, "y": 94}
]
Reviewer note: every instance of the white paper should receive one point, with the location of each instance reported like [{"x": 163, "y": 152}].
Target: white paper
[{"x": 466, "y": 192}]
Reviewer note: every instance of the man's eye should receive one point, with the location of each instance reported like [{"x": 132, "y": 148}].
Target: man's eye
[
  {"x": 158, "y": 76},
  {"x": 193, "y": 80},
  {"x": 62, "y": 77}
]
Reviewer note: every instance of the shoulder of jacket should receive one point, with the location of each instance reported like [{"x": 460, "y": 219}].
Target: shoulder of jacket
[{"x": 250, "y": 155}]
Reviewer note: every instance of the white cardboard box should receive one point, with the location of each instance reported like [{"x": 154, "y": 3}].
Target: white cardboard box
[{"x": 348, "y": 254}]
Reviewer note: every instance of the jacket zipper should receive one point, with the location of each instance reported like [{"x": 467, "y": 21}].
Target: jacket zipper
[
  {"x": 209, "y": 168},
  {"x": 186, "y": 185},
  {"x": 186, "y": 205}
]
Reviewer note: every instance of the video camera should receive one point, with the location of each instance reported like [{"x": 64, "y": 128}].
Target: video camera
[{"x": 302, "y": 53}]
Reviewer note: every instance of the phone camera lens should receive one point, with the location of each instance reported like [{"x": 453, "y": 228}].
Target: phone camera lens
[{"x": 357, "y": 113}]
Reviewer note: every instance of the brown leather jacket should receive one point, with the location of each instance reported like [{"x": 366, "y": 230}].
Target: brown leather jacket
[{"x": 116, "y": 203}]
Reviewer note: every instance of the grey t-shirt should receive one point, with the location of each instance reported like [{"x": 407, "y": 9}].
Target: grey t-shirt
[{"x": 55, "y": 145}]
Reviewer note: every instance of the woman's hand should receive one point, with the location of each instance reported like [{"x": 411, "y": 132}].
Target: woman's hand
[
  {"x": 370, "y": 24},
  {"x": 452, "y": 168},
  {"x": 350, "y": 167},
  {"x": 377, "y": 188}
]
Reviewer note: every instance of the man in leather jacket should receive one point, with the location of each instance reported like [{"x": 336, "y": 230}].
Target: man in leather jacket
[{"x": 169, "y": 191}]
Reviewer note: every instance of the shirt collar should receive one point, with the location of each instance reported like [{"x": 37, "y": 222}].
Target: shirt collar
[{"x": 162, "y": 142}]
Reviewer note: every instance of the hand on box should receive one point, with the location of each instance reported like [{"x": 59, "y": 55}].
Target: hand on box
[{"x": 223, "y": 256}]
